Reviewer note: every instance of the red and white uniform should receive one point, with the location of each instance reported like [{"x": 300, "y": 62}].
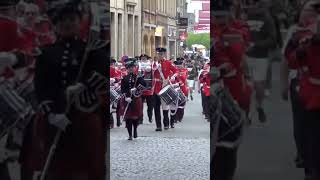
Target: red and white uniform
[
  {"x": 183, "y": 74},
  {"x": 308, "y": 68},
  {"x": 168, "y": 70},
  {"x": 231, "y": 56},
  {"x": 11, "y": 40},
  {"x": 149, "y": 75},
  {"x": 204, "y": 79}
]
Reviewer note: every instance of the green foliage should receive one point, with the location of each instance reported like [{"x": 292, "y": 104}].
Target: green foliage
[{"x": 202, "y": 38}]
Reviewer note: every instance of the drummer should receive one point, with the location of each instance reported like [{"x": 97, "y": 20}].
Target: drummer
[
  {"x": 147, "y": 96},
  {"x": 11, "y": 56},
  {"x": 183, "y": 74},
  {"x": 114, "y": 82},
  {"x": 204, "y": 89},
  {"x": 182, "y": 82},
  {"x": 163, "y": 70}
]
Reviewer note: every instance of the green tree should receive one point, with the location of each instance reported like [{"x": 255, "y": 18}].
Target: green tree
[{"x": 202, "y": 38}]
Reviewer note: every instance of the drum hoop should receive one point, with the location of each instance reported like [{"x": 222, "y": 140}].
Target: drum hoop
[{"x": 163, "y": 90}]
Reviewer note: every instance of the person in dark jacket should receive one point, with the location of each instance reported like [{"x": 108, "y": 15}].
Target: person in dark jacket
[
  {"x": 133, "y": 100},
  {"x": 56, "y": 80}
]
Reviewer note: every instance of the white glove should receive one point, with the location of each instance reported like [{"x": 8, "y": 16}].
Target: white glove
[
  {"x": 172, "y": 78},
  {"x": 129, "y": 100},
  {"x": 112, "y": 80},
  {"x": 59, "y": 120},
  {"x": 133, "y": 90}
]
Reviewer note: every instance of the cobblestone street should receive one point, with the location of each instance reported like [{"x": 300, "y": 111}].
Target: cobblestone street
[{"x": 176, "y": 154}]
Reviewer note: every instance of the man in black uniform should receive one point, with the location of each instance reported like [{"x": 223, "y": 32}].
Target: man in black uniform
[
  {"x": 130, "y": 88},
  {"x": 80, "y": 153}
]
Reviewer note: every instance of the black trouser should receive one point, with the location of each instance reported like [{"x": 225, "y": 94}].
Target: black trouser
[
  {"x": 173, "y": 117},
  {"x": 202, "y": 99},
  {"x": 4, "y": 171},
  {"x": 313, "y": 143},
  {"x": 157, "y": 110},
  {"x": 111, "y": 120},
  {"x": 299, "y": 128},
  {"x": 118, "y": 114},
  {"x": 132, "y": 123},
  {"x": 150, "y": 104},
  {"x": 223, "y": 164},
  {"x": 205, "y": 102}
]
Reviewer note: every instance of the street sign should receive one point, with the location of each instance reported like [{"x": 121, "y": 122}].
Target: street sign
[{"x": 183, "y": 22}]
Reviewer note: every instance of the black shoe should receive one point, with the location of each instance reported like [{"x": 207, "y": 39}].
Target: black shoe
[
  {"x": 172, "y": 125},
  {"x": 191, "y": 98},
  {"x": 150, "y": 120},
  {"x": 262, "y": 115},
  {"x": 130, "y": 138},
  {"x": 135, "y": 134},
  {"x": 158, "y": 129},
  {"x": 166, "y": 127}
]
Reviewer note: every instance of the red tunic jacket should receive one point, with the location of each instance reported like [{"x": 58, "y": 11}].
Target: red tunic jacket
[
  {"x": 309, "y": 67},
  {"x": 232, "y": 54},
  {"x": 167, "y": 69}
]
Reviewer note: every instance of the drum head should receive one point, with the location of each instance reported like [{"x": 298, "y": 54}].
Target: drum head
[{"x": 164, "y": 89}]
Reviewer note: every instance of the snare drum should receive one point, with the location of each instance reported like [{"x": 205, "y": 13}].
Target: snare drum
[
  {"x": 182, "y": 97},
  {"x": 168, "y": 94},
  {"x": 114, "y": 96},
  {"x": 15, "y": 111}
]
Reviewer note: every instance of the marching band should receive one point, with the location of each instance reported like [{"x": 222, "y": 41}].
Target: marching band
[{"x": 164, "y": 86}]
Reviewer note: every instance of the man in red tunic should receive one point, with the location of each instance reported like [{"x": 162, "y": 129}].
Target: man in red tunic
[
  {"x": 182, "y": 81},
  {"x": 146, "y": 69},
  {"x": 204, "y": 80},
  {"x": 163, "y": 70},
  {"x": 302, "y": 54},
  {"x": 228, "y": 58}
]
